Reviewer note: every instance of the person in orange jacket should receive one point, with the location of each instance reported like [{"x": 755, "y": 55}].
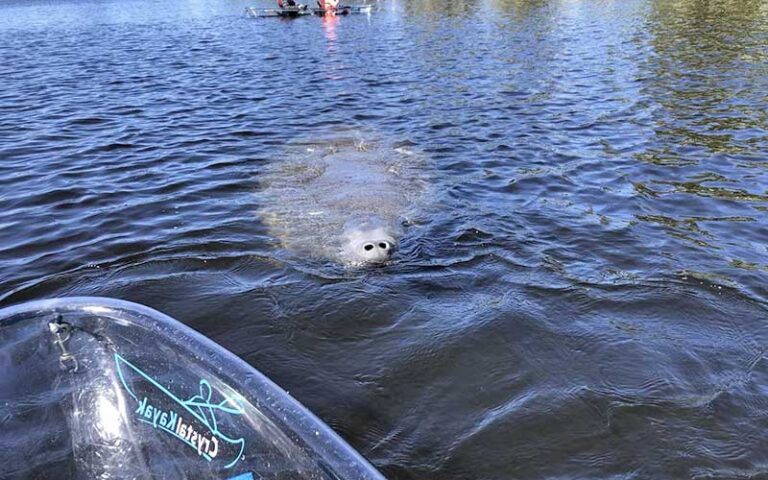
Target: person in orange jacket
[{"x": 328, "y": 5}]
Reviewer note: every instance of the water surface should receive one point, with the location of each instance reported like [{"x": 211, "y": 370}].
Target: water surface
[{"x": 587, "y": 298}]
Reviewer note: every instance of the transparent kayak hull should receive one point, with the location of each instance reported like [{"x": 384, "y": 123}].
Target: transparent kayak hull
[
  {"x": 299, "y": 11},
  {"x": 343, "y": 10},
  {"x": 95, "y": 388},
  {"x": 278, "y": 12}
]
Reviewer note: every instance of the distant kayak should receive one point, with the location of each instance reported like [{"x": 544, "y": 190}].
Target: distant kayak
[
  {"x": 302, "y": 10},
  {"x": 297, "y": 11},
  {"x": 95, "y": 388},
  {"x": 344, "y": 10}
]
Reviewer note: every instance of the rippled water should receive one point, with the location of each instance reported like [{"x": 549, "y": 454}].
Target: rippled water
[{"x": 586, "y": 296}]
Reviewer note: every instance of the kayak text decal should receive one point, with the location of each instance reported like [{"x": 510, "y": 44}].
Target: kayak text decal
[{"x": 195, "y": 421}]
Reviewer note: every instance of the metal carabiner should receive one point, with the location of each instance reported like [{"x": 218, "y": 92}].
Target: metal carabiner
[{"x": 63, "y": 331}]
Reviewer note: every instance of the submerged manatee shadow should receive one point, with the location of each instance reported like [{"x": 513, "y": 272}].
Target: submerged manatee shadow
[{"x": 338, "y": 206}]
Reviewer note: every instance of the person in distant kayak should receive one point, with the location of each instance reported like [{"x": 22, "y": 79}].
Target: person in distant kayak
[
  {"x": 328, "y": 5},
  {"x": 283, "y": 4}
]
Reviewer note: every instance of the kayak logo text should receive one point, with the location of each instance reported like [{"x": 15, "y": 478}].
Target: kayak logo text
[
  {"x": 196, "y": 421},
  {"x": 171, "y": 422}
]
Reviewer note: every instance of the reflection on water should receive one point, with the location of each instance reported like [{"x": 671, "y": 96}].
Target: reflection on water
[
  {"x": 706, "y": 73},
  {"x": 329, "y": 25},
  {"x": 586, "y": 295}
]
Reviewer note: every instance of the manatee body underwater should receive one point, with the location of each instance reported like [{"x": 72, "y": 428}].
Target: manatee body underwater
[{"x": 343, "y": 200}]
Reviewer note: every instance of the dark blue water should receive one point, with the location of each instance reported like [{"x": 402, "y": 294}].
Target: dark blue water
[{"x": 584, "y": 298}]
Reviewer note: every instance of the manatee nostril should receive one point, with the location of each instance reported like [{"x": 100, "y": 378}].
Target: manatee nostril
[
  {"x": 368, "y": 247},
  {"x": 383, "y": 245}
]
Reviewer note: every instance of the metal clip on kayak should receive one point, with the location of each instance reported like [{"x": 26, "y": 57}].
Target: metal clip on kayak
[{"x": 63, "y": 331}]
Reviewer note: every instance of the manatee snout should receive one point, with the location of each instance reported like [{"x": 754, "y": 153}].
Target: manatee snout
[
  {"x": 368, "y": 243},
  {"x": 376, "y": 251}
]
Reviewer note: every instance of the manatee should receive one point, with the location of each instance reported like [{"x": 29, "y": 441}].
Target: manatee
[{"x": 341, "y": 199}]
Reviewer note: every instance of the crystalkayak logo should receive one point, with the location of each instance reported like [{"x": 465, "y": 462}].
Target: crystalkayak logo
[{"x": 196, "y": 421}]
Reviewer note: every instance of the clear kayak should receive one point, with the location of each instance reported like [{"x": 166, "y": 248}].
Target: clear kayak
[
  {"x": 289, "y": 12},
  {"x": 344, "y": 10},
  {"x": 301, "y": 10},
  {"x": 95, "y": 388}
]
